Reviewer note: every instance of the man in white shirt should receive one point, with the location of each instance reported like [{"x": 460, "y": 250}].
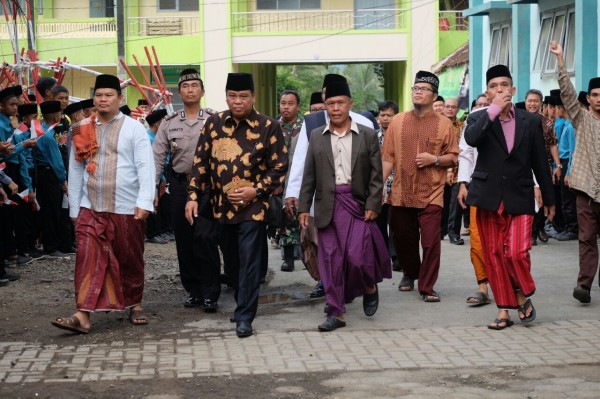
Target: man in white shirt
[{"x": 111, "y": 193}]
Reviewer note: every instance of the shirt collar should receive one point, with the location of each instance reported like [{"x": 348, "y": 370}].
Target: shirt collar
[
  {"x": 353, "y": 127},
  {"x": 118, "y": 116},
  {"x": 511, "y": 114},
  {"x": 249, "y": 120}
]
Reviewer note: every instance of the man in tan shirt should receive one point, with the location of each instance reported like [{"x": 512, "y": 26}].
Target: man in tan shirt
[{"x": 419, "y": 146}]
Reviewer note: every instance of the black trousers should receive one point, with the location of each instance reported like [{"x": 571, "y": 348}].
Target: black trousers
[
  {"x": 245, "y": 245},
  {"x": 568, "y": 199},
  {"x": 189, "y": 269},
  {"x": 454, "y": 213},
  {"x": 206, "y": 254},
  {"x": 49, "y": 195}
]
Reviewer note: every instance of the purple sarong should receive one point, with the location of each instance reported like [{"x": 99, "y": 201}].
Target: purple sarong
[{"x": 352, "y": 253}]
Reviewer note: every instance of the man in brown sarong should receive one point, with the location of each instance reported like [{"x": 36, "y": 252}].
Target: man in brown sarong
[{"x": 111, "y": 193}]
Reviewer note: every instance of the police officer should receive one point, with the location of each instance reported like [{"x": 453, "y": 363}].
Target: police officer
[{"x": 178, "y": 135}]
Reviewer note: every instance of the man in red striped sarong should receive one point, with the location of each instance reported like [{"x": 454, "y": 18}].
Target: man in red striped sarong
[
  {"x": 111, "y": 193},
  {"x": 510, "y": 144}
]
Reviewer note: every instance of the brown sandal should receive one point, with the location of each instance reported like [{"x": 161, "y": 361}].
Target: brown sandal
[
  {"x": 138, "y": 318},
  {"x": 70, "y": 324}
]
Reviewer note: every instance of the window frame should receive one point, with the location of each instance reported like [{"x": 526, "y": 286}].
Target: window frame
[
  {"x": 177, "y": 7},
  {"x": 496, "y": 50},
  {"x": 564, "y": 39},
  {"x": 288, "y": 9}
]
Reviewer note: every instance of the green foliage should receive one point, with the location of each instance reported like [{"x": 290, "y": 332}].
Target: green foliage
[{"x": 365, "y": 80}]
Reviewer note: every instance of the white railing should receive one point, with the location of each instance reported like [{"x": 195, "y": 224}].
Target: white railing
[
  {"x": 453, "y": 20},
  {"x": 163, "y": 26},
  {"x": 318, "y": 20},
  {"x": 61, "y": 30}
]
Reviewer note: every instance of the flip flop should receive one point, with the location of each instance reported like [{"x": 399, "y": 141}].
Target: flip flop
[
  {"x": 433, "y": 297},
  {"x": 70, "y": 324},
  {"x": 507, "y": 323},
  {"x": 406, "y": 284},
  {"x": 479, "y": 299},
  {"x": 523, "y": 311},
  {"x": 138, "y": 318}
]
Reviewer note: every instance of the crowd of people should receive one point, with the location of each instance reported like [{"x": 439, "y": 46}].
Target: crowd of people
[{"x": 352, "y": 196}]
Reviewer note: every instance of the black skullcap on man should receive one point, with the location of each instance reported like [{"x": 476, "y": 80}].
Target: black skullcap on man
[
  {"x": 520, "y": 105},
  {"x": 582, "y": 97},
  {"x": 439, "y": 98},
  {"x": 72, "y": 108},
  {"x": 497, "y": 71},
  {"x": 336, "y": 89},
  {"x": 125, "y": 109},
  {"x": 189, "y": 74},
  {"x": 27, "y": 109},
  {"x": 50, "y": 107},
  {"x": 142, "y": 101},
  {"x": 546, "y": 99},
  {"x": 239, "y": 81},
  {"x": 156, "y": 116},
  {"x": 551, "y": 100},
  {"x": 108, "y": 82},
  {"x": 557, "y": 101},
  {"x": 333, "y": 77},
  {"x": 85, "y": 104},
  {"x": 428, "y": 77},
  {"x": 316, "y": 98},
  {"x": 555, "y": 93},
  {"x": 7, "y": 93},
  {"x": 593, "y": 84},
  {"x": 18, "y": 90},
  {"x": 32, "y": 98}
]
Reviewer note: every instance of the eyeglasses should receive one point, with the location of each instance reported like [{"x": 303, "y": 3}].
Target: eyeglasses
[
  {"x": 418, "y": 89},
  {"x": 451, "y": 106}
]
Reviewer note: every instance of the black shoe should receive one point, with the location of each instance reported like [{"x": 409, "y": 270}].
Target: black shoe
[
  {"x": 332, "y": 323},
  {"x": 326, "y": 308},
  {"x": 224, "y": 279},
  {"x": 457, "y": 241},
  {"x": 533, "y": 241},
  {"x": 210, "y": 306},
  {"x": 193, "y": 302},
  {"x": 582, "y": 294},
  {"x": 318, "y": 291},
  {"x": 371, "y": 302},
  {"x": 3, "y": 282},
  {"x": 396, "y": 265},
  {"x": 287, "y": 266},
  {"x": 543, "y": 236},
  {"x": 243, "y": 329},
  {"x": 10, "y": 276}
]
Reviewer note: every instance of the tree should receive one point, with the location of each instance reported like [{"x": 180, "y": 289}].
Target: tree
[{"x": 365, "y": 85}]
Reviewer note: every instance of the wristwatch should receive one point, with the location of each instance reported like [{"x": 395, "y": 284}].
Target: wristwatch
[
  {"x": 437, "y": 161},
  {"x": 559, "y": 166},
  {"x": 463, "y": 182}
]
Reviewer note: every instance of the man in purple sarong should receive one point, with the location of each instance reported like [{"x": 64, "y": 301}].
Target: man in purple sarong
[{"x": 343, "y": 171}]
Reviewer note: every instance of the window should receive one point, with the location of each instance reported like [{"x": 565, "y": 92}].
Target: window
[
  {"x": 374, "y": 14},
  {"x": 556, "y": 25},
  {"x": 287, "y": 4},
  {"x": 500, "y": 48},
  {"x": 102, "y": 8},
  {"x": 178, "y": 5}
]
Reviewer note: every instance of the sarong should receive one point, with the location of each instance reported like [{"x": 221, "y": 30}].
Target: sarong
[
  {"x": 506, "y": 241},
  {"x": 352, "y": 253},
  {"x": 109, "y": 265}
]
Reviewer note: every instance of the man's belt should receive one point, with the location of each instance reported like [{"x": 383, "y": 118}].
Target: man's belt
[{"x": 181, "y": 176}]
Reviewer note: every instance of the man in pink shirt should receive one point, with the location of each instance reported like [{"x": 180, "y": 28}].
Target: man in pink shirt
[{"x": 510, "y": 144}]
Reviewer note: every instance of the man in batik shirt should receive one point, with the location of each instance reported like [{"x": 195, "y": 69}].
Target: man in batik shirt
[{"x": 242, "y": 159}]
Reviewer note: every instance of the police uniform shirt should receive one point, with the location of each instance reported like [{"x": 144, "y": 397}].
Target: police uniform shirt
[{"x": 179, "y": 137}]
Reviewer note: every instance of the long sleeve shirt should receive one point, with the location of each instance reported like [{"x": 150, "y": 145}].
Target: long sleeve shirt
[
  {"x": 297, "y": 168},
  {"x": 584, "y": 172},
  {"x": 467, "y": 157},
  {"x": 124, "y": 177},
  {"x": 566, "y": 144},
  {"x": 251, "y": 153},
  {"x": 46, "y": 153}
]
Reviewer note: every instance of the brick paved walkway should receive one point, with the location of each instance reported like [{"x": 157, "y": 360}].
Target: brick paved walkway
[{"x": 214, "y": 354}]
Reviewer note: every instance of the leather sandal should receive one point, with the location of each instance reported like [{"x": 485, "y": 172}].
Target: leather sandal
[{"x": 70, "y": 324}]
